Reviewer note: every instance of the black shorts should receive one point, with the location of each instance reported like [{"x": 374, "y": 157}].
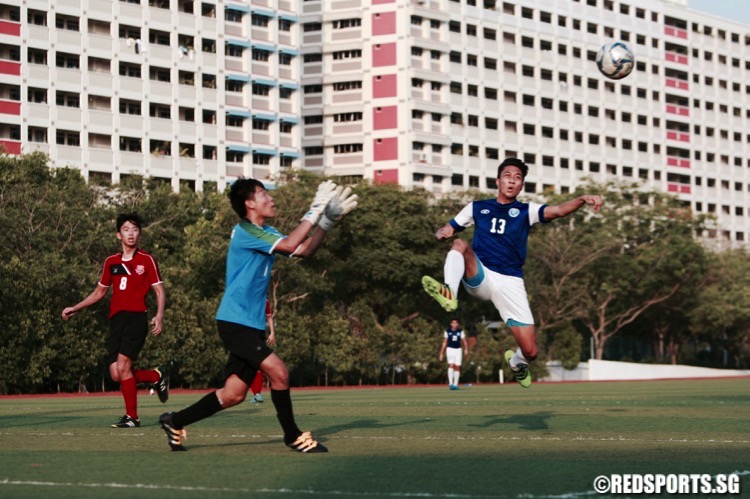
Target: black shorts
[
  {"x": 127, "y": 335},
  {"x": 247, "y": 349}
]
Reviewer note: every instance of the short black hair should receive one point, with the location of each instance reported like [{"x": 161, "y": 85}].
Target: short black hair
[
  {"x": 241, "y": 190},
  {"x": 133, "y": 218},
  {"x": 513, "y": 162}
]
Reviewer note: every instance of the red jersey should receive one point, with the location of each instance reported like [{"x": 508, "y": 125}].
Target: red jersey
[{"x": 130, "y": 281}]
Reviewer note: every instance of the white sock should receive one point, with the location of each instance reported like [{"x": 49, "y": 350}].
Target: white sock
[
  {"x": 518, "y": 358},
  {"x": 456, "y": 375},
  {"x": 450, "y": 375},
  {"x": 453, "y": 270}
]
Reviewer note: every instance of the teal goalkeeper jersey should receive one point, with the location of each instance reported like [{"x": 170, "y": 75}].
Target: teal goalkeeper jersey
[{"x": 249, "y": 261}]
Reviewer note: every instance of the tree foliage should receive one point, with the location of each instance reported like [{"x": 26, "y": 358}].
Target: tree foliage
[{"x": 356, "y": 312}]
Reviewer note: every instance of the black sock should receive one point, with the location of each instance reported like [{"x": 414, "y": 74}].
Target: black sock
[
  {"x": 205, "y": 407},
  {"x": 282, "y": 400}
]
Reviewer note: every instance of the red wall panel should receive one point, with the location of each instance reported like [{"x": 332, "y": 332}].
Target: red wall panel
[
  {"x": 385, "y": 117},
  {"x": 10, "y": 146},
  {"x": 10, "y": 68},
  {"x": 384, "y": 23},
  {"x": 386, "y": 176},
  {"x": 384, "y": 54},
  {"x": 385, "y": 149},
  {"x": 10, "y": 107},
  {"x": 384, "y": 86},
  {"x": 10, "y": 28}
]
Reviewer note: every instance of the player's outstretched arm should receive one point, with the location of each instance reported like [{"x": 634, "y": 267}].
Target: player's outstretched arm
[
  {"x": 292, "y": 243},
  {"x": 568, "y": 207},
  {"x": 341, "y": 204},
  {"x": 96, "y": 295},
  {"x": 445, "y": 232}
]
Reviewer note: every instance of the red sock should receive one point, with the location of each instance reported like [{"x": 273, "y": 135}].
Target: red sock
[
  {"x": 257, "y": 385},
  {"x": 150, "y": 376},
  {"x": 130, "y": 394}
]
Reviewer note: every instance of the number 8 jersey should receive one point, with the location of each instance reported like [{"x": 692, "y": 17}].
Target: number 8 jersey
[
  {"x": 501, "y": 233},
  {"x": 130, "y": 280}
]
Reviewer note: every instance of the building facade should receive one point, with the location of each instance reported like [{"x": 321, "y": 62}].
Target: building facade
[{"x": 428, "y": 94}]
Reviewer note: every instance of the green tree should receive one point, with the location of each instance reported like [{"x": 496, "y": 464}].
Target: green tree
[
  {"x": 722, "y": 312},
  {"x": 658, "y": 254}
]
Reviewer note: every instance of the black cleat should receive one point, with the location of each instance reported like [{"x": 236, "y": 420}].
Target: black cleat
[
  {"x": 162, "y": 386},
  {"x": 306, "y": 444},
  {"x": 127, "y": 422},
  {"x": 175, "y": 436}
]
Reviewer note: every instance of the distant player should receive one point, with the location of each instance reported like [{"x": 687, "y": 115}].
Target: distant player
[
  {"x": 131, "y": 274},
  {"x": 492, "y": 267},
  {"x": 453, "y": 348},
  {"x": 241, "y": 316},
  {"x": 257, "y": 385}
]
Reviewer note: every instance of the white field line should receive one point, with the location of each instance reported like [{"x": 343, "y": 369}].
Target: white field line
[
  {"x": 325, "y": 493},
  {"x": 195, "y": 435}
]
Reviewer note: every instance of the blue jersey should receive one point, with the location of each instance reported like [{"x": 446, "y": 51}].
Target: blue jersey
[
  {"x": 454, "y": 337},
  {"x": 502, "y": 232},
  {"x": 249, "y": 261}
]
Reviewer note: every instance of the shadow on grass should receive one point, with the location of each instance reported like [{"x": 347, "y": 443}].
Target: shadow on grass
[
  {"x": 364, "y": 424},
  {"x": 531, "y": 422}
]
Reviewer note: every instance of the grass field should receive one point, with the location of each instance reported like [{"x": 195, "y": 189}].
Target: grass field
[{"x": 489, "y": 440}]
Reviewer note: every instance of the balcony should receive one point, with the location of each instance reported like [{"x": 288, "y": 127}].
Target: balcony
[
  {"x": 679, "y": 136},
  {"x": 676, "y": 32},
  {"x": 678, "y": 110},
  {"x": 675, "y": 83},
  {"x": 678, "y": 188},
  {"x": 676, "y": 57},
  {"x": 678, "y": 161}
]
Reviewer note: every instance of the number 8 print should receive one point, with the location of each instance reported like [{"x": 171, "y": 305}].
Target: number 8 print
[{"x": 123, "y": 283}]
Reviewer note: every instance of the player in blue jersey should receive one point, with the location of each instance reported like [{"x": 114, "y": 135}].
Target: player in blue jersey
[
  {"x": 491, "y": 268},
  {"x": 453, "y": 348},
  {"x": 241, "y": 318}
]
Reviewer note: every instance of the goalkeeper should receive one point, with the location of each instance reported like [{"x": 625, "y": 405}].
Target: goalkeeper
[{"x": 241, "y": 319}]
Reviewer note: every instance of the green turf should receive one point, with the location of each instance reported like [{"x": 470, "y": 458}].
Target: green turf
[{"x": 551, "y": 440}]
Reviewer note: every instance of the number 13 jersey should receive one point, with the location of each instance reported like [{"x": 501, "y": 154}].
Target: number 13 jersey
[{"x": 501, "y": 233}]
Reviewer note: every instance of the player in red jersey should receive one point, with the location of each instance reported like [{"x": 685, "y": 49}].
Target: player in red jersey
[
  {"x": 257, "y": 384},
  {"x": 131, "y": 274}
]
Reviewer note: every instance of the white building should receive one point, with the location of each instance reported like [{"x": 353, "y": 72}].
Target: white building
[{"x": 423, "y": 93}]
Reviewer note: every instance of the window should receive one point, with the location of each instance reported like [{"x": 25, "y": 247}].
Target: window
[
  {"x": 68, "y": 138},
  {"x": 66, "y": 60},
  {"x": 132, "y": 144},
  {"x": 130, "y": 70},
  {"x": 67, "y": 99},
  {"x": 130, "y": 107}
]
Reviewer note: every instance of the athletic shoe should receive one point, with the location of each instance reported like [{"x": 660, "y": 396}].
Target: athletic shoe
[
  {"x": 306, "y": 444},
  {"x": 258, "y": 398},
  {"x": 441, "y": 292},
  {"x": 127, "y": 422},
  {"x": 162, "y": 386},
  {"x": 450, "y": 387},
  {"x": 521, "y": 373},
  {"x": 175, "y": 436}
]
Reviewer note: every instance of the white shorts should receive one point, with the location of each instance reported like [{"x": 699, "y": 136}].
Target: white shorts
[
  {"x": 508, "y": 293},
  {"x": 454, "y": 356}
]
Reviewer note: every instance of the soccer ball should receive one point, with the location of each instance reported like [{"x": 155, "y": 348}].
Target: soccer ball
[{"x": 615, "y": 60}]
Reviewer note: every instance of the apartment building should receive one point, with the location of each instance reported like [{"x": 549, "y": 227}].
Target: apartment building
[
  {"x": 188, "y": 92},
  {"x": 434, "y": 93},
  {"x": 424, "y": 93}
]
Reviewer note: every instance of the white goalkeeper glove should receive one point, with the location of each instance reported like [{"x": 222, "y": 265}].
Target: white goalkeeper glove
[
  {"x": 342, "y": 203},
  {"x": 326, "y": 190}
]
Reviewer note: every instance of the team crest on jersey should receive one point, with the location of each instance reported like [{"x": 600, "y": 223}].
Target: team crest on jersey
[
  {"x": 484, "y": 211},
  {"x": 514, "y": 212},
  {"x": 140, "y": 269}
]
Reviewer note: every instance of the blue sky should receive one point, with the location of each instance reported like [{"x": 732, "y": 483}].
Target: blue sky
[{"x": 737, "y": 10}]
